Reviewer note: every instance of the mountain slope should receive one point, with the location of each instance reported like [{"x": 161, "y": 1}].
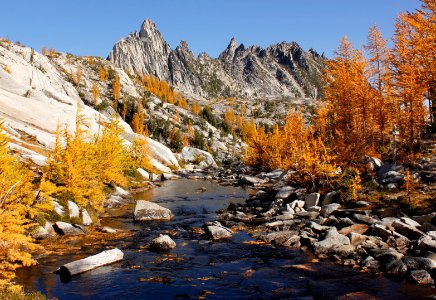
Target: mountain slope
[
  {"x": 37, "y": 93},
  {"x": 283, "y": 69}
]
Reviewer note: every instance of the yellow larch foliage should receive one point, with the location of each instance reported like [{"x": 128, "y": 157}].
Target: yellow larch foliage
[
  {"x": 78, "y": 76},
  {"x": 164, "y": 91},
  {"x": 139, "y": 154},
  {"x": 196, "y": 108},
  {"x": 16, "y": 205},
  {"x": 409, "y": 81},
  {"x": 95, "y": 93},
  {"x": 110, "y": 154},
  {"x": 71, "y": 172},
  {"x": 116, "y": 88},
  {"x": 103, "y": 73},
  {"x": 381, "y": 80},
  {"x": 292, "y": 147},
  {"x": 350, "y": 98}
]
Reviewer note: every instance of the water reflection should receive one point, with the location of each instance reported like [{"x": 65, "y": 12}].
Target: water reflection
[{"x": 200, "y": 268}]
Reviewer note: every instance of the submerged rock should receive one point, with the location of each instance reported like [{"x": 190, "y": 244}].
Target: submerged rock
[{"x": 148, "y": 211}]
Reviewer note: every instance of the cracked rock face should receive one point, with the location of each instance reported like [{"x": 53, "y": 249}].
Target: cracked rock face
[{"x": 283, "y": 69}]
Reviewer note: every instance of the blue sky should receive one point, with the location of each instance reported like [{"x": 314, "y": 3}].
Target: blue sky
[{"x": 92, "y": 27}]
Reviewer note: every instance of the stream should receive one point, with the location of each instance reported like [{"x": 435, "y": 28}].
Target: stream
[{"x": 200, "y": 268}]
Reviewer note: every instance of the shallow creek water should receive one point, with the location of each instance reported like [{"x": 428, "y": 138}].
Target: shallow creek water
[{"x": 199, "y": 268}]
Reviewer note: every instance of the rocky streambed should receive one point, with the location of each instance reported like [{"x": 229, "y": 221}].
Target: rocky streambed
[
  {"x": 384, "y": 241},
  {"x": 252, "y": 249}
]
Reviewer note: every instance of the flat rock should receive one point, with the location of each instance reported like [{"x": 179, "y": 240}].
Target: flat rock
[
  {"x": 432, "y": 234},
  {"x": 251, "y": 180},
  {"x": 419, "y": 263},
  {"x": 314, "y": 208},
  {"x": 357, "y": 228},
  {"x": 329, "y": 208},
  {"x": 388, "y": 221},
  {"x": 421, "y": 277},
  {"x": 170, "y": 176},
  {"x": 429, "y": 218},
  {"x": 216, "y": 231},
  {"x": 386, "y": 254},
  {"x": 278, "y": 238},
  {"x": 285, "y": 192},
  {"x": 410, "y": 222},
  {"x": 365, "y": 219},
  {"x": 64, "y": 228},
  {"x": 311, "y": 215},
  {"x": 332, "y": 239},
  {"x": 356, "y": 238},
  {"x": 275, "y": 174},
  {"x": 346, "y": 221},
  {"x": 407, "y": 230},
  {"x": 329, "y": 197},
  {"x": 362, "y": 203},
  {"x": 148, "y": 211},
  {"x": 381, "y": 231},
  {"x": 162, "y": 243},
  {"x": 311, "y": 200},
  {"x": 107, "y": 229},
  {"x": 318, "y": 228},
  {"x": 389, "y": 212}
]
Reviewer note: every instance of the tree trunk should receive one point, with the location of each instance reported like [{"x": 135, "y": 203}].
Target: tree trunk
[{"x": 89, "y": 263}]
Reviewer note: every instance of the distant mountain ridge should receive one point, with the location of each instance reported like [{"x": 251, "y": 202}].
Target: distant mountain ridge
[{"x": 280, "y": 70}]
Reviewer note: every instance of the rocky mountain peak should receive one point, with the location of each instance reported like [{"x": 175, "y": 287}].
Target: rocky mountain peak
[
  {"x": 229, "y": 53},
  {"x": 284, "y": 69},
  {"x": 149, "y": 29}
]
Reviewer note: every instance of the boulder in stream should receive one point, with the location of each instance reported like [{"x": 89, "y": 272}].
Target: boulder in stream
[
  {"x": 148, "y": 211},
  {"x": 162, "y": 243},
  {"x": 216, "y": 231}
]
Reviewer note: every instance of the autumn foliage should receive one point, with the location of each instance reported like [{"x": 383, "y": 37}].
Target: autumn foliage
[
  {"x": 366, "y": 92},
  {"x": 81, "y": 165},
  {"x": 17, "y": 207}
]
